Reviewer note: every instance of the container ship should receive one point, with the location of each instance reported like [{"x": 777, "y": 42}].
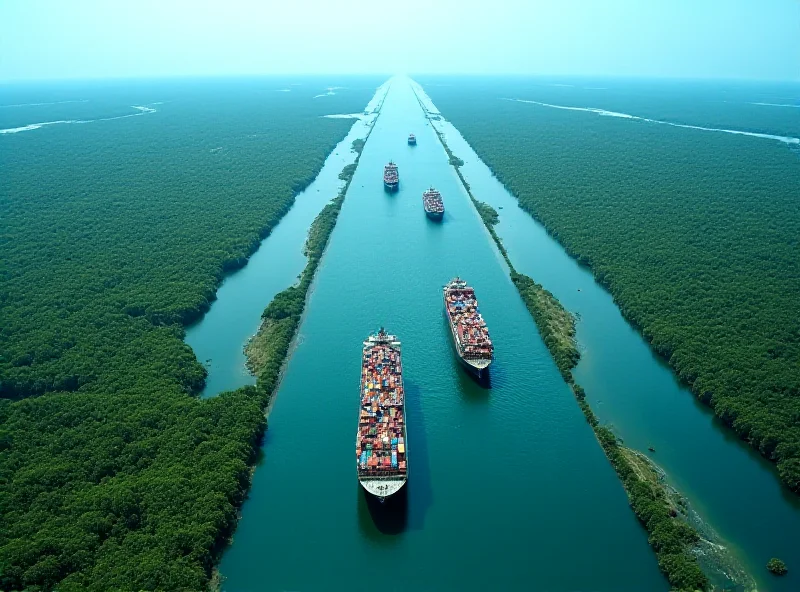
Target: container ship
[
  {"x": 432, "y": 202},
  {"x": 469, "y": 331},
  {"x": 412, "y": 140},
  {"x": 381, "y": 452},
  {"x": 391, "y": 179}
]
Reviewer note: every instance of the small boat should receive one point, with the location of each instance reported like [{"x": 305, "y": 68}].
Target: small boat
[{"x": 412, "y": 140}]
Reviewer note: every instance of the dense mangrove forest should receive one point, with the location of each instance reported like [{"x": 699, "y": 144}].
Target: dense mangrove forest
[
  {"x": 116, "y": 235},
  {"x": 694, "y": 232}
]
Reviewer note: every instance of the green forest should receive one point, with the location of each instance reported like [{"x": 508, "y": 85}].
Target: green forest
[
  {"x": 115, "y": 236},
  {"x": 694, "y": 233}
]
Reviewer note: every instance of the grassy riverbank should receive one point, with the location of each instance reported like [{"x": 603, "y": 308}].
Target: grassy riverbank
[
  {"x": 556, "y": 324},
  {"x": 267, "y": 350},
  {"x": 673, "y": 539}
]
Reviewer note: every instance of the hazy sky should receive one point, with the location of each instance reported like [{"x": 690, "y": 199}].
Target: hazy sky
[{"x": 676, "y": 38}]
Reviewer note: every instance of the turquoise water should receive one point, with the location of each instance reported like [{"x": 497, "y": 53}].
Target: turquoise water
[
  {"x": 732, "y": 487},
  {"x": 508, "y": 489}
]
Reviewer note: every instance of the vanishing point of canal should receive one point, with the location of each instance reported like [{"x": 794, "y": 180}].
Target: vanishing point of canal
[{"x": 508, "y": 489}]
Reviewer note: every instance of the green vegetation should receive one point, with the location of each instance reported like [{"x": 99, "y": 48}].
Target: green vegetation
[
  {"x": 694, "y": 233},
  {"x": 113, "y": 475},
  {"x": 672, "y": 538},
  {"x": 358, "y": 145},
  {"x": 777, "y": 567},
  {"x": 267, "y": 350},
  {"x": 488, "y": 214},
  {"x": 347, "y": 172},
  {"x": 556, "y": 324}
]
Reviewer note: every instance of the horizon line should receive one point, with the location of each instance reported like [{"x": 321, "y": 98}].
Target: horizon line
[{"x": 163, "y": 77}]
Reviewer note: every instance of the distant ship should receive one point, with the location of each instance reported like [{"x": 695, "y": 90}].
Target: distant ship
[
  {"x": 412, "y": 140},
  {"x": 381, "y": 453},
  {"x": 391, "y": 179},
  {"x": 432, "y": 202},
  {"x": 469, "y": 331}
]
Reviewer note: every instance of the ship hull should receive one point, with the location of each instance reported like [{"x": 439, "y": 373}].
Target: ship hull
[
  {"x": 391, "y": 187},
  {"x": 410, "y": 143},
  {"x": 383, "y": 393},
  {"x": 436, "y": 216},
  {"x": 479, "y": 372}
]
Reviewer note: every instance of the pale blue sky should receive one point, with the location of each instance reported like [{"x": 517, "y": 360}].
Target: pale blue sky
[{"x": 44, "y": 39}]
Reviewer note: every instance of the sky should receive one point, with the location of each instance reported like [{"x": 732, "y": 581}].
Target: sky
[{"x": 55, "y": 39}]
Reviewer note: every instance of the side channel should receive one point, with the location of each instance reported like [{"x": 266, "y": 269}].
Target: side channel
[{"x": 219, "y": 337}]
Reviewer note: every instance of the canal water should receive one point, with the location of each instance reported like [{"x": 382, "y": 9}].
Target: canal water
[
  {"x": 732, "y": 487},
  {"x": 218, "y": 338},
  {"x": 508, "y": 488}
]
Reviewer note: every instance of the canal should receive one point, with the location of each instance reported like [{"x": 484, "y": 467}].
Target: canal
[
  {"x": 733, "y": 488},
  {"x": 508, "y": 489}
]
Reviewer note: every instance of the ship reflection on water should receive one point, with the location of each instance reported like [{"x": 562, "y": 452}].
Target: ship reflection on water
[{"x": 389, "y": 517}]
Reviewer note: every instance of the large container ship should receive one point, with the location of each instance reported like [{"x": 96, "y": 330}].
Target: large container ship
[
  {"x": 412, "y": 140},
  {"x": 469, "y": 331},
  {"x": 391, "y": 178},
  {"x": 433, "y": 204},
  {"x": 381, "y": 444}
]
